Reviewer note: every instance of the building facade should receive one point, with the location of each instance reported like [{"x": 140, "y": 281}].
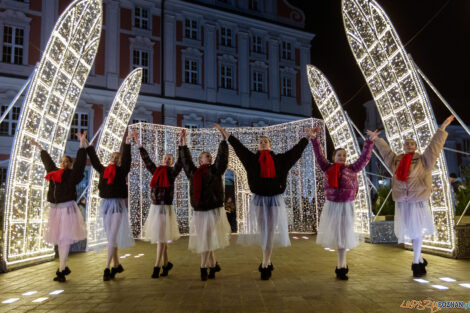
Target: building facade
[{"x": 233, "y": 62}]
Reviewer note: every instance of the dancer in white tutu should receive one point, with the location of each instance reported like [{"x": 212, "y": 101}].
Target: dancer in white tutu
[
  {"x": 65, "y": 224},
  {"x": 267, "y": 176},
  {"x": 411, "y": 189},
  {"x": 161, "y": 226},
  {"x": 336, "y": 229},
  {"x": 209, "y": 229},
  {"x": 112, "y": 188}
]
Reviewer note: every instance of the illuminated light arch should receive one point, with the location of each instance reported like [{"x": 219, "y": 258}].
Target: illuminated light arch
[
  {"x": 342, "y": 136},
  {"x": 46, "y": 117},
  {"x": 401, "y": 100},
  {"x": 110, "y": 141},
  {"x": 303, "y": 196}
]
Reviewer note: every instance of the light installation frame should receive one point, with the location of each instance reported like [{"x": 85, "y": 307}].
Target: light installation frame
[
  {"x": 110, "y": 141},
  {"x": 46, "y": 117},
  {"x": 342, "y": 136},
  {"x": 402, "y": 102},
  {"x": 304, "y": 193}
]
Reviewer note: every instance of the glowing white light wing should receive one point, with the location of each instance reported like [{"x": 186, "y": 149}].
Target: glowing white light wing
[
  {"x": 343, "y": 137},
  {"x": 401, "y": 101},
  {"x": 110, "y": 141},
  {"x": 46, "y": 117}
]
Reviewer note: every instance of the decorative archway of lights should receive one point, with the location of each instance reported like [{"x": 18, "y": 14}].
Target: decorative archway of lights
[
  {"x": 110, "y": 141},
  {"x": 304, "y": 194},
  {"x": 46, "y": 117},
  {"x": 401, "y": 100},
  {"x": 343, "y": 137}
]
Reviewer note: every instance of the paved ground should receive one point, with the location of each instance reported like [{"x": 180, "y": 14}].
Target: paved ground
[{"x": 303, "y": 281}]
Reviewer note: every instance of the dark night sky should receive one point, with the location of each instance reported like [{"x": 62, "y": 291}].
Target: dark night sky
[{"x": 440, "y": 50}]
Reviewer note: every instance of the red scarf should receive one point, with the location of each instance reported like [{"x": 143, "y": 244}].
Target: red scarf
[
  {"x": 334, "y": 174},
  {"x": 197, "y": 182},
  {"x": 110, "y": 173},
  {"x": 55, "y": 176},
  {"x": 404, "y": 167},
  {"x": 160, "y": 177},
  {"x": 266, "y": 163}
]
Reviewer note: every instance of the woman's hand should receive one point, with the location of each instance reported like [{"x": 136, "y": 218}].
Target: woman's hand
[
  {"x": 373, "y": 134},
  {"x": 35, "y": 143},
  {"x": 312, "y": 132},
  {"x": 182, "y": 137},
  {"x": 447, "y": 122},
  {"x": 224, "y": 133},
  {"x": 134, "y": 135},
  {"x": 83, "y": 140}
]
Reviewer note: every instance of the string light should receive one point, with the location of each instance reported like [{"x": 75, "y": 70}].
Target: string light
[
  {"x": 401, "y": 100},
  {"x": 110, "y": 141},
  {"x": 304, "y": 192},
  {"x": 46, "y": 117},
  {"x": 343, "y": 137}
]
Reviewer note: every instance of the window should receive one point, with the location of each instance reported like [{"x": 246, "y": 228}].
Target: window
[
  {"x": 226, "y": 37},
  {"x": 257, "y": 44},
  {"x": 286, "y": 50},
  {"x": 8, "y": 126},
  {"x": 79, "y": 125},
  {"x": 258, "y": 81},
  {"x": 253, "y": 5},
  {"x": 141, "y": 18},
  {"x": 226, "y": 77},
  {"x": 13, "y": 38},
  {"x": 190, "y": 29},
  {"x": 191, "y": 72},
  {"x": 287, "y": 86},
  {"x": 141, "y": 59},
  {"x": 139, "y": 120},
  {"x": 190, "y": 126}
]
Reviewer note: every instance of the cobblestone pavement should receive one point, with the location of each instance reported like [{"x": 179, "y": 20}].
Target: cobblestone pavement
[{"x": 303, "y": 281}]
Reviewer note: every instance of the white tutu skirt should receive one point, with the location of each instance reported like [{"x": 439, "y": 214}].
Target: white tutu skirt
[
  {"x": 116, "y": 223},
  {"x": 413, "y": 220},
  {"x": 336, "y": 229},
  {"x": 208, "y": 230},
  {"x": 266, "y": 223},
  {"x": 161, "y": 225},
  {"x": 65, "y": 224}
]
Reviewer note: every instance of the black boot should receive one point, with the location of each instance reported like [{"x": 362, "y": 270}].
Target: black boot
[
  {"x": 265, "y": 272},
  {"x": 67, "y": 270},
  {"x": 417, "y": 270},
  {"x": 341, "y": 273},
  {"x": 212, "y": 272},
  {"x": 166, "y": 269},
  {"x": 203, "y": 274},
  {"x": 156, "y": 272},
  {"x": 423, "y": 266},
  {"x": 217, "y": 267},
  {"x": 106, "y": 274},
  {"x": 116, "y": 270},
  {"x": 60, "y": 276},
  {"x": 270, "y": 269}
]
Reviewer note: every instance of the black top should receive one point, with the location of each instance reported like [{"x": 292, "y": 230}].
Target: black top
[
  {"x": 283, "y": 162},
  {"x": 65, "y": 190},
  {"x": 212, "y": 190},
  {"x": 161, "y": 195},
  {"x": 118, "y": 189}
]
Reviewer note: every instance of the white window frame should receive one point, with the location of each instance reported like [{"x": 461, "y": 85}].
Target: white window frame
[
  {"x": 10, "y": 122},
  {"x": 255, "y": 44},
  {"x": 192, "y": 77},
  {"x": 226, "y": 36},
  {"x": 288, "y": 73},
  {"x": 191, "y": 55},
  {"x": 142, "y": 44},
  {"x": 226, "y": 80},
  {"x": 286, "y": 50},
  {"x": 15, "y": 19},
  {"x": 257, "y": 81},
  {"x": 139, "y": 19},
  {"x": 286, "y": 86},
  {"x": 140, "y": 63},
  {"x": 13, "y": 45},
  {"x": 191, "y": 29},
  {"x": 79, "y": 128}
]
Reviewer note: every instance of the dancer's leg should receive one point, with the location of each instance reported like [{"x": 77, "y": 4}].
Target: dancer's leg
[
  {"x": 417, "y": 243},
  {"x": 160, "y": 250},
  {"x": 342, "y": 258},
  {"x": 63, "y": 255},
  {"x": 165, "y": 255}
]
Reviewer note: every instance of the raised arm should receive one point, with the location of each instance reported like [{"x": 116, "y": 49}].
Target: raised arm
[
  {"x": 221, "y": 161},
  {"x": 384, "y": 149},
  {"x": 126, "y": 159},
  {"x": 149, "y": 165},
  {"x": 243, "y": 153},
  {"x": 46, "y": 159},
  {"x": 290, "y": 157},
  {"x": 186, "y": 160},
  {"x": 177, "y": 167},
  {"x": 434, "y": 148},
  {"x": 79, "y": 166},
  {"x": 319, "y": 156},
  {"x": 364, "y": 158},
  {"x": 95, "y": 161}
]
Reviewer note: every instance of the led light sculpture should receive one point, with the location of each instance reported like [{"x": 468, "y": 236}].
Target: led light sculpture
[
  {"x": 303, "y": 196},
  {"x": 46, "y": 117},
  {"x": 343, "y": 137},
  {"x": 401, "y": 101},
  {"x": 110, "y": 141}
]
